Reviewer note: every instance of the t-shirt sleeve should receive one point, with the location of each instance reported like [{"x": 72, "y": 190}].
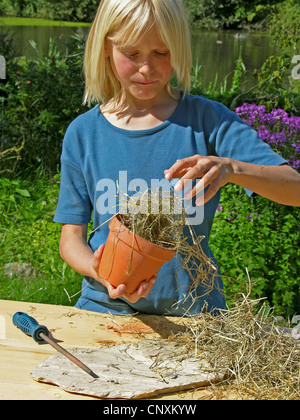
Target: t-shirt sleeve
[
  {"x": 235, "y": 139},
  {"x": 74, "y": 204}
]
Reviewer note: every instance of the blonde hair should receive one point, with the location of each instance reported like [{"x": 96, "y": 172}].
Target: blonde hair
[{"x": 125, "y": 22}]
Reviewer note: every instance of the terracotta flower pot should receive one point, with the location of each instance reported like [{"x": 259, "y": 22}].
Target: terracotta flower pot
[{"x": 129, "y": 259}]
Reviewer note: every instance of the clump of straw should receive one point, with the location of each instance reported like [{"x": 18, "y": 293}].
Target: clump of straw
[
  {"x": 159, "y": 216},
  {"x": 244, "y": 346}
]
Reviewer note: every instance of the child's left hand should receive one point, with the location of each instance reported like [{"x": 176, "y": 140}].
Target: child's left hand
[{"x": 142, "y": 291}]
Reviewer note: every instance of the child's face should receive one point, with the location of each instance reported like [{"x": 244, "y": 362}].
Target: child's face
[{"x": 143, "y": 69}]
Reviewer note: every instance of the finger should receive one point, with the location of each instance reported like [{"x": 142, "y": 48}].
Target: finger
[
  {"x": 210, "y": 193},
  {"x": 116, "y": 292},
  {"x": 181, "y": 166},
  {"x": 142, "y": 291},
  {"x": 187, "y": 179},
  {"x": 203, "y": 166},
  {"x": 146, "y": 286},
  {"x": 97, "y": 257},
  {"x": 212, "y": 179},
  {"x": 100, "y": 250},
  {"x": 178, "y": 174}
]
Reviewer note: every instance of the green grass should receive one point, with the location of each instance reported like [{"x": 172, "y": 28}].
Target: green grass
[{"x": 20, "y": 21}]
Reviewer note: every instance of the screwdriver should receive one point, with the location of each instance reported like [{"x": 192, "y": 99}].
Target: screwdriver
[{"x": 40, "y": 333}]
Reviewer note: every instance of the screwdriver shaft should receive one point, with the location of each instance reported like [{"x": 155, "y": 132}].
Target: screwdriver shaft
[{"x": 68, "y": 355}]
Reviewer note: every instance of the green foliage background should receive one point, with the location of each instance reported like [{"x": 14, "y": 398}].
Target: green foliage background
[
  {"x": 212, "y": 14},
  {"x": 262, "y": 237},
  {"x": 68, "y": 10}
]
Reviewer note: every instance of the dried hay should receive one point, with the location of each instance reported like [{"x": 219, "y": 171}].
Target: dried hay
[
  {"x": 159, "y": 216},
  {"x": 257, "y": 358},
  {"x": 156, "y": 215}
]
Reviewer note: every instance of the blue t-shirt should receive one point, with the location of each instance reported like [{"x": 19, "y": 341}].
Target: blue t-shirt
[{"x": 98, "y": 158}]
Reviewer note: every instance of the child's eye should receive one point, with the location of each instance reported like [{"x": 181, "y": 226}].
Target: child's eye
[
  {"x": 164, "y": 54},
  {"x": 130, "y": 54}
]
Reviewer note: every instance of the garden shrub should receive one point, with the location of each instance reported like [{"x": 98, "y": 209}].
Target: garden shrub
[
  {"x": 68, "y": 10},
  {"x": 38, "y": 101},
  {"x": 256, "y": 233},
  {"x": 263, "y": 237}
]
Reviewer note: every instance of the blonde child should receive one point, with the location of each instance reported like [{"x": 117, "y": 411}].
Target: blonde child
[{"x": 146, "y": 130}]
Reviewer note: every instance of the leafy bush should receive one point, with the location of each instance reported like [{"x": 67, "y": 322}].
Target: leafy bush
[
  {"x": 40, "y": 99},
  {"x": 228, "y": 13},
  {"x": 268, "y": 85},
  {"x": 258, "y": 234},
  {"x": 263, "y": 237},
  {"x": 225, "y": 94},
  {"x": 68, "y": 10}
]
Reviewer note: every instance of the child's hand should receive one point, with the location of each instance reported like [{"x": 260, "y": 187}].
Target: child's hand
[
  {"x": 116, "y": 292},
  {"x": 142, "y": 291},
  {"x": 213, "y": 171}
]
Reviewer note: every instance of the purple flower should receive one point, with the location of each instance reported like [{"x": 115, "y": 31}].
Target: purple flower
[
  {"x": 296, "y": 147},
  {"x": 279, "y": 114},
  {"x": 250, "y": 217},
  {"x": 295, "y": 164},
  {"x": 263, "y": 133},
  {"x": 276, "y": 128}
]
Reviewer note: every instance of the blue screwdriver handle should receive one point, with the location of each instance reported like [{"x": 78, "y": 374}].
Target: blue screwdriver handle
[{"x": 30, "y": 326}]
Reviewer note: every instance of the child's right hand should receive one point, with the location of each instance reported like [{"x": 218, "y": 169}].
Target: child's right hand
[{"x": 116, "y": 292}]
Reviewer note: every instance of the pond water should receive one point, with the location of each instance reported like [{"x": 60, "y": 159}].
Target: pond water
[{"x": 215, "y": 51}]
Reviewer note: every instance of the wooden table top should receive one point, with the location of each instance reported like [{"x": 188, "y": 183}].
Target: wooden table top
[{"x": 72, "y": 327}]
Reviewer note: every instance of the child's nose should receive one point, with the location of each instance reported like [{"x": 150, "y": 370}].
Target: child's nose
[{"x": 145, "y": 67}]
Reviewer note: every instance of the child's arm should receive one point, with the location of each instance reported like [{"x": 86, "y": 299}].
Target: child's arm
[
  {"x": 76, "y": 252},
  {"x": 277, "y": 183}
]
